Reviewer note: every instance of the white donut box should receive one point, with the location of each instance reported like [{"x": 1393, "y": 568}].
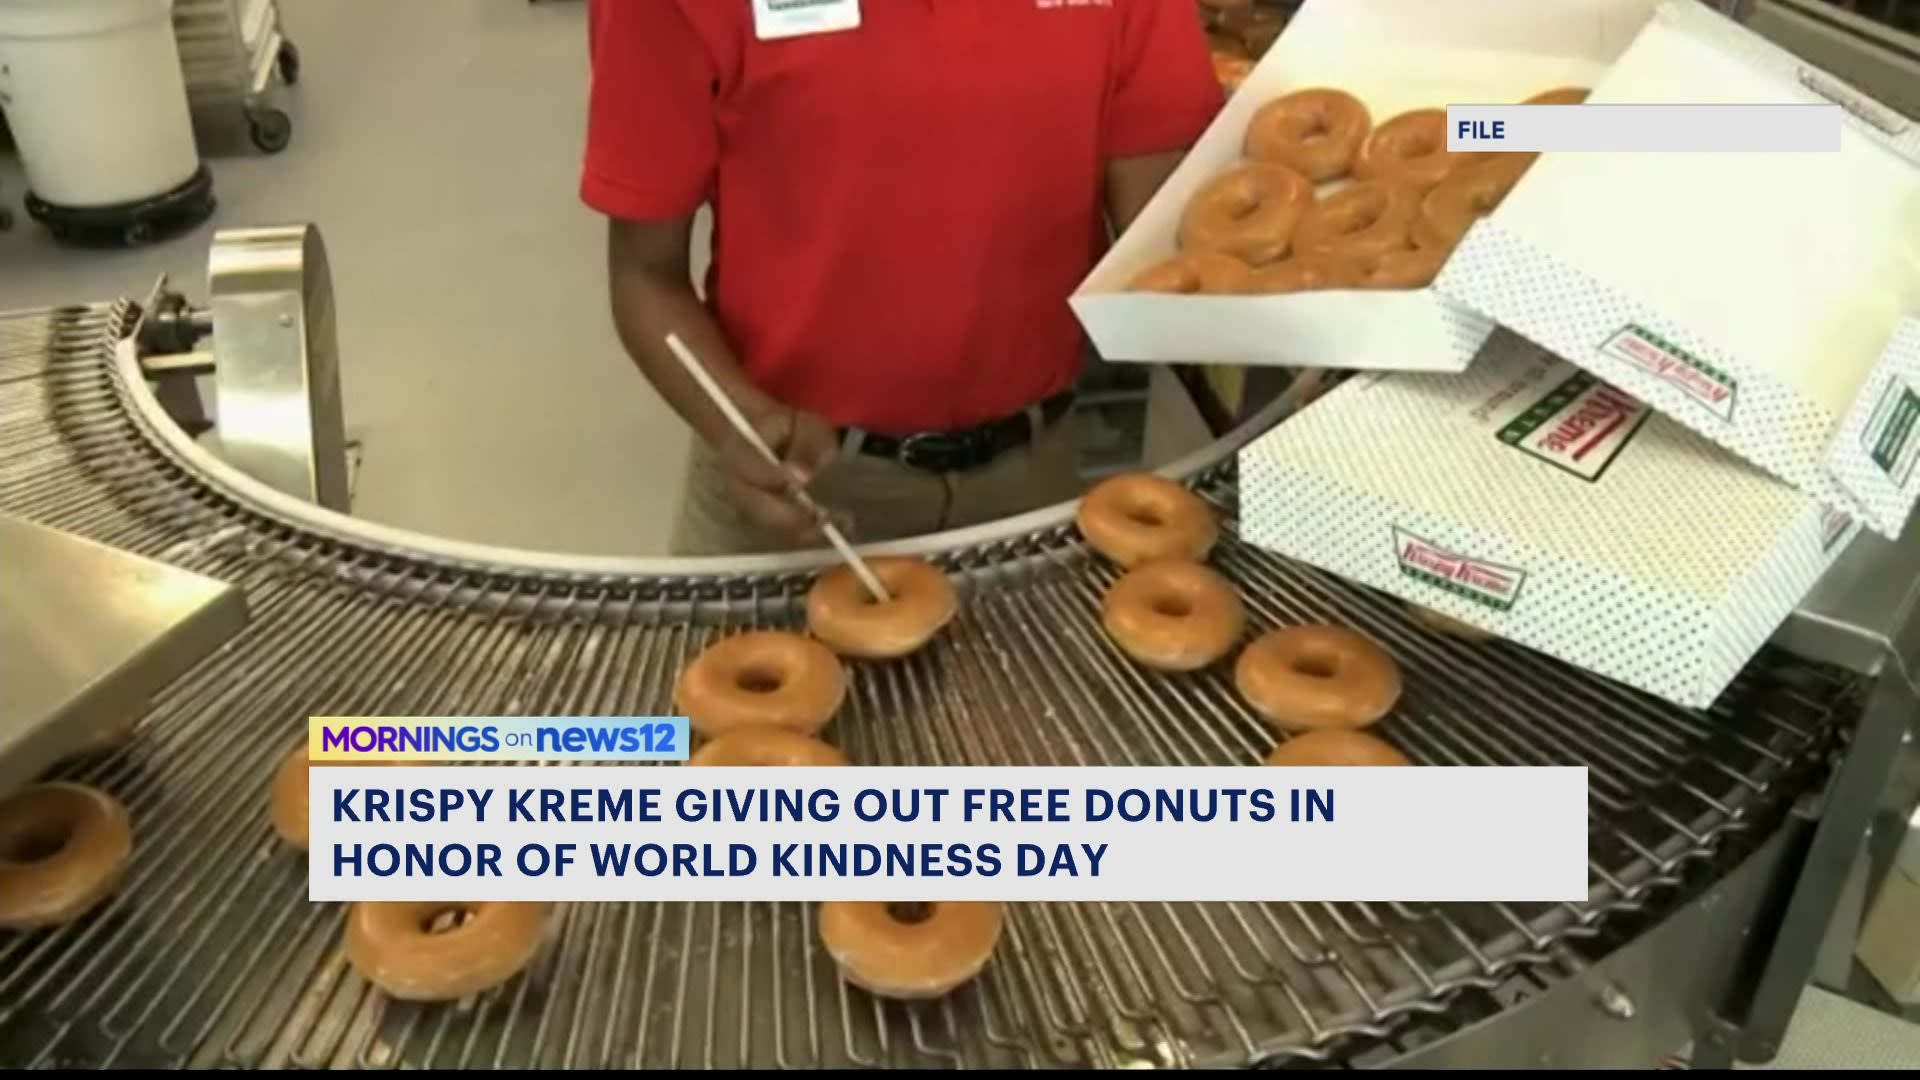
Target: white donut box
[
  {"x": 1530, "y": 499},
  {"x": 1767, "y": 302}
]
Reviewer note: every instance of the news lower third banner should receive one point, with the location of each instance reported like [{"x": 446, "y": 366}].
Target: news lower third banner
[
  {"x": 394, "y": 740},
  {"x": 1809, "y": 128},
  {"x": 1247, "y": 833}
]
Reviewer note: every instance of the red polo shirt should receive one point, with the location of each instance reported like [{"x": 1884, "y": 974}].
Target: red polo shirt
[{"x": 901, "y": 209}]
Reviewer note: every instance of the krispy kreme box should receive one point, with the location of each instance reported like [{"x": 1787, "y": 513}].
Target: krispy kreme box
[
  {"x": 1395, "y": 55},
  {"x": 1530, "y": 499},
  {"x": 1766, "y": 301}
]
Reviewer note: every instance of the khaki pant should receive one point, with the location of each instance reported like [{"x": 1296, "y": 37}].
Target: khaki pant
[{"x": 887, "y": 500}]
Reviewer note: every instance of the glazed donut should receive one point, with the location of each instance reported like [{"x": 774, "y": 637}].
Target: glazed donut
[
  {"x": 1565, "y": 95},
  {"x": 440, "y": 951},
  {"x": 63, "y": 849},
  {"x": 1137, "y": 518},
  {"x": 1248, "y": 212},
  {"x": 287, "y": 805},
  {"x": 912, "y": 952},
  {"x": 1230, "y": 70},
  {"x": 1305, "y": 273},
  {"x": 1454, "y": 204},
  {"x": 1313, "y": 132},
  {"x": 1410, "y": 150},
  {"x": 1367, "y": 218},
  {"x": 1335, "y": 747},
  {"x": 847, "y": 619},
  {"x": 1306, "y": 677},
  {"x": 1195, "y": 272},
  {"x": 1446, "y": 624},
  {"x": 1414, "y": 268},
  {"x": 1173, "y": 615},
  {"x": 1261, "y": 29},
  {"x": 762, "y": 678},
  {"x": 1225, "y": 43},
  {"x": 766, "y": 747}
]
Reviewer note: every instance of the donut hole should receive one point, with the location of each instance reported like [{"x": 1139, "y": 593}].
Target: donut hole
[
  {"x": 909, "y": 913},
  {"x": 39, "y": 840},
  {"x": 1316, "y": 667},
  {"x": 759, "y": 680},
  {"x": 445, "y": 920},
  {"x": 1146, "y": 515},
  {"x": 1310, "y": 125},
  {"x": 1173, "y": 607}
]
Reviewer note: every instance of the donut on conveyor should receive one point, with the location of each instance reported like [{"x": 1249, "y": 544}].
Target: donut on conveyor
[
  {"x": 846, "y": 618},
  {"x": 910, "y": 952},
  {"x": 762, "y": 678},
  {"x": 63, "y": 849},
  {"x": 438, "y": 951},
  {"x": 1137, "y": 518},
  {"x": 1173, "y": 615},
  {"x": 766, "y": 747},
  {"x": 1305, "y": 678}
]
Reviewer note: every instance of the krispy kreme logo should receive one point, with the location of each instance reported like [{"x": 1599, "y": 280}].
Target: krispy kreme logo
[
  {"x": 1580, "y": 426},
  {"x": 1692, "y": 376},
  {"x": 1478, "y": 580}
]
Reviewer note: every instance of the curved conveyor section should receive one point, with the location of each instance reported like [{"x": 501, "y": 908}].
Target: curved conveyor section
[{"x": 210, "y": 953}]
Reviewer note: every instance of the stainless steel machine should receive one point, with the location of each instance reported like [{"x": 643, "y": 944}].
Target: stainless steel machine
[{"x": 1721, "y": 840}]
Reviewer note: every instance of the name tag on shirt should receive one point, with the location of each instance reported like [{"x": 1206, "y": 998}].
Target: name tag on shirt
[{"x": 775, "y": 19}]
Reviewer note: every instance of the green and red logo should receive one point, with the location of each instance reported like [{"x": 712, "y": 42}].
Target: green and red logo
[
  {"x": 1483, "y": 582},
  {"x": 1889, "y": 435},
  {"x": 1579, "y": 426},
  {"x": 1660, "y": 358}
]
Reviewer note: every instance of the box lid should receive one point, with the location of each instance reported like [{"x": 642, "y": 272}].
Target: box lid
[
  {"x": 1765, "y": 301},
  {"x": 1530, "y": 498}
]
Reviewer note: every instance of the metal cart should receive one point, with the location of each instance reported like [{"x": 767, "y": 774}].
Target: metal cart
[{"x": 232, "y": 50}]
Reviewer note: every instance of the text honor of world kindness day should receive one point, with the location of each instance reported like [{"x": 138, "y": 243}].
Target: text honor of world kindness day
[{"x": 446, "y": 832}]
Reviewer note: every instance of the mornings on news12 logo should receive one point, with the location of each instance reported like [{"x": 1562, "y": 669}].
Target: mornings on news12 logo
[{"x": 431, "y": 740}]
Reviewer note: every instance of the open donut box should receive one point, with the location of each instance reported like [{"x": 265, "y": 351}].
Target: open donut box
[
  {"x": 1648, "y": 400},
  {"x": 1767, "y": 301},
  {"x": 1394, "y": 55}
]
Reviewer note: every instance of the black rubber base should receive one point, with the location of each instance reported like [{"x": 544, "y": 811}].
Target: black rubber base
[{"x": 129, "y": 224}]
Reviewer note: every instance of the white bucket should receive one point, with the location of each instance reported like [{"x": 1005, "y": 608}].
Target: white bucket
[{"x": 96, "y": 100}]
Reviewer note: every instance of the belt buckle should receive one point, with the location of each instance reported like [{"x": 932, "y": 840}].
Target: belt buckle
[{"x": 923, "y": 451}]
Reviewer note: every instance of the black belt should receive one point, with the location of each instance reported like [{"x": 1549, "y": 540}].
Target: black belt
[{"x": 966, "y": 448}]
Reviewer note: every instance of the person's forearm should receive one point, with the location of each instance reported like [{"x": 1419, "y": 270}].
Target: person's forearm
[
  {"x": 1131, "y": 183},
  {"x": 647, "y": 306}
]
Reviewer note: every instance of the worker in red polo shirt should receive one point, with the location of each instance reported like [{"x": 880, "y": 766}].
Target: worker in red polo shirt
[{"x": 904, "y": 194}]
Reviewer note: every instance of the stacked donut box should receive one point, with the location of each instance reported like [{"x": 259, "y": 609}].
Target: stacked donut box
[{"x": 1569, "y": 441}]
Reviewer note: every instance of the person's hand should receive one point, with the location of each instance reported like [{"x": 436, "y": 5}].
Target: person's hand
[{"x": 806, "y": 445}]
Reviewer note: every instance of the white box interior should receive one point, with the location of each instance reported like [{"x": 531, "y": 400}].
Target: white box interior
[{"x": 1395, "y": 55}]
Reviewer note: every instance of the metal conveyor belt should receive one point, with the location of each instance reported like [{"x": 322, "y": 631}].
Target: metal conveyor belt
[{"x": 210, "y": 954}]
